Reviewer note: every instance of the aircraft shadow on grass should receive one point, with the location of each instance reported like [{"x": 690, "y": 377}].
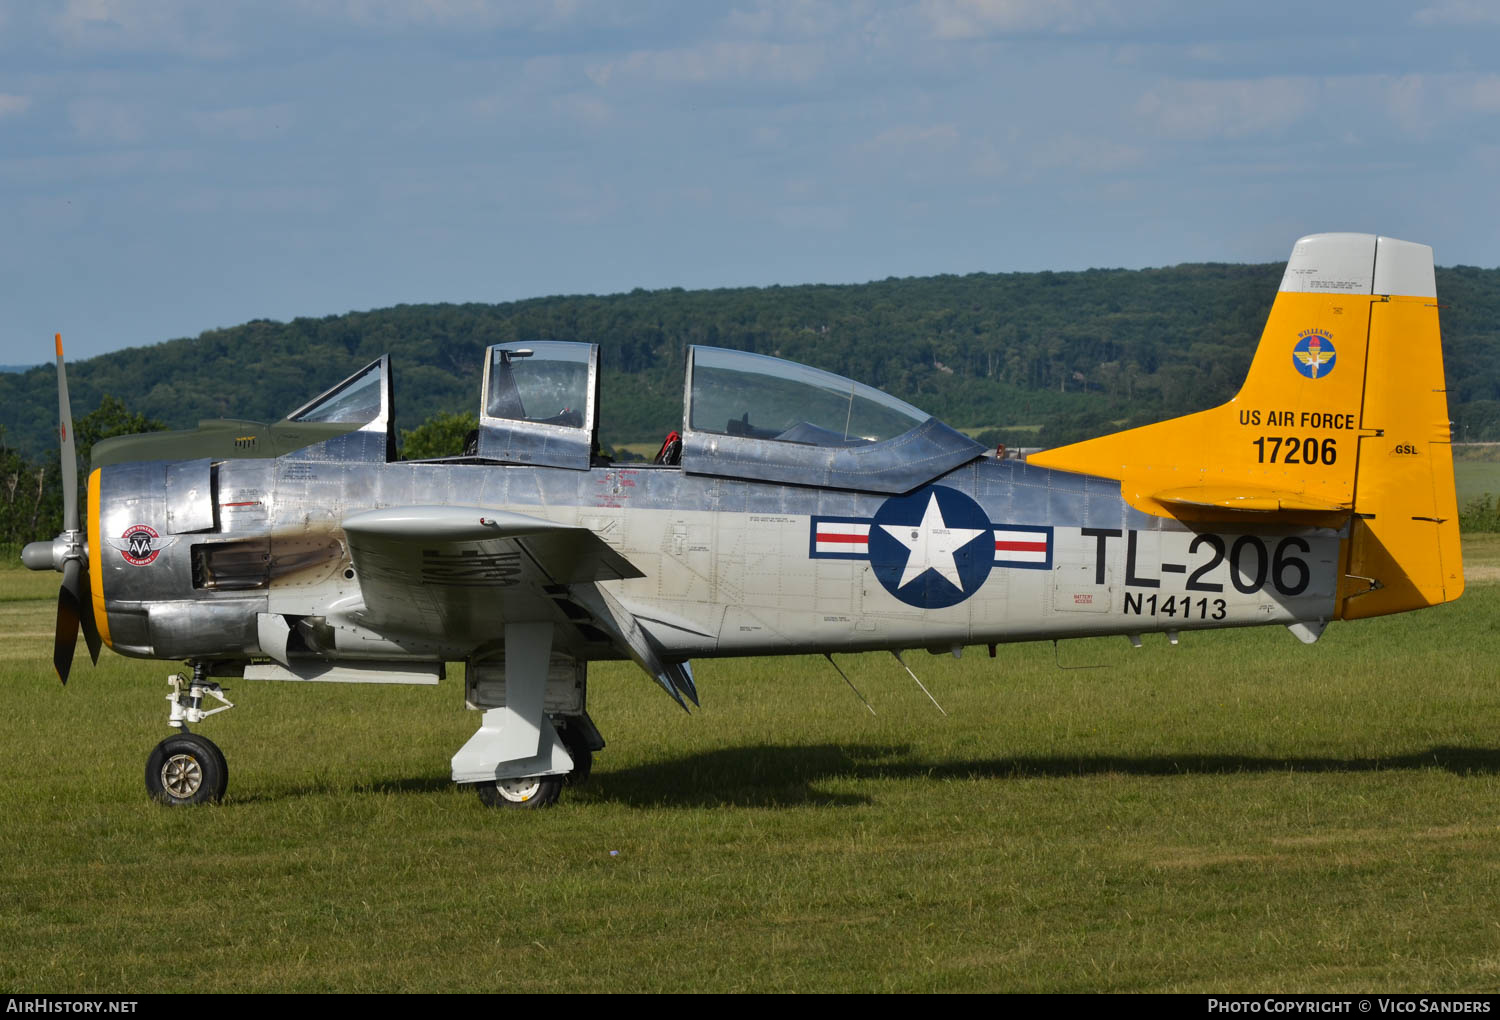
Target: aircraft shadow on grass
[
  {"x": 776, "y": 776},
  {"x": 780, "y": 776}
]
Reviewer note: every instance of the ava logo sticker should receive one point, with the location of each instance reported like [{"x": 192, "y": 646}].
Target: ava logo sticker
[
  {"x": 140, "y": 544},
  {"x": 1314, "y": 354}
]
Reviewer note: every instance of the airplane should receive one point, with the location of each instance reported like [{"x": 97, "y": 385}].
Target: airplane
[{"x": 797, "y": 512}]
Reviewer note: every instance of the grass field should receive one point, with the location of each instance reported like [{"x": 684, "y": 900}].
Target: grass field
[
  {"x": 1476, "y": 475},
  {"x": 1239, "y": 813}
]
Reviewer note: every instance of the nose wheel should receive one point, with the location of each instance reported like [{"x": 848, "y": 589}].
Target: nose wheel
[{"x": 186, "y": 769}]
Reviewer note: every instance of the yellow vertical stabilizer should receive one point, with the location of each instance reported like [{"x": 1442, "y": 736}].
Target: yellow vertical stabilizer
[{"x": 1342, "y": 418}]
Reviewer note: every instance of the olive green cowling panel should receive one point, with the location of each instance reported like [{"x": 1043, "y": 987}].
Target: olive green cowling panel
[{"x": 218, "y": 439}]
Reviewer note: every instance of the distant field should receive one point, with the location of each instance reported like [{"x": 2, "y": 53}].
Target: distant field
[
  {"x": 1240, "y": 813},
  {"x": 1476, "y": 471}
]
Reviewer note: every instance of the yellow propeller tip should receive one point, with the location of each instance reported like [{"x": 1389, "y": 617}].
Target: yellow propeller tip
[{"x": 58, "y": 338}]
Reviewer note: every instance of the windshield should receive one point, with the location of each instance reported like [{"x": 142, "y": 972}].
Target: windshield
[
  {"x": 546, "y": 383},
  {"x": 355, "y": 401},
  {"x": 740, "y": 394}
]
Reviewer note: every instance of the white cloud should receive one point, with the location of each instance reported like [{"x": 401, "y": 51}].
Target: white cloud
[
  {"x": 1405, "y": 100},
  {"x": 973, "y": 19},
  {"x": 245, "y": 123},
  {"x": 989, "y": 163},
  {"x": 820, "y": 219},
  {"x": 719, "y": 61},
  {"x": 1092, "y": 155},
  {"x": 107, "y": 121},
  {"x": 178, "y": 26},
  {"x": 583, "y": 199},
  {"x": 907, "y": 136},
  {"x": 1482, "y": 94},
  {"x": 1420, "y": 103},
  {"x": 392, "y": 14},
  {"x": 11, "y": 105},
  {"x": 797, "y": 19},
  {"x": 1459, "y": 12},
  {"x": 1226, "y": 109},
  {"x": 586, "y": 109}
]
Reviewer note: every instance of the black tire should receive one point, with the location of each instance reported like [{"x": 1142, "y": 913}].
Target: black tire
[
  {"x": 530, "y": 792},
  {"x": 583, "y": 758},
  {"x": 186, "y": 769}
]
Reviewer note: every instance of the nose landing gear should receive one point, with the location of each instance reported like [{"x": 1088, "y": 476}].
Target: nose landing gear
[{"x": 187, "y": 768}]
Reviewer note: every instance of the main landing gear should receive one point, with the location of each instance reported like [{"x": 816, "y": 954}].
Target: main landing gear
[
  {"x": 543, "y": 791},
  {"x": 187, "y": 768}
]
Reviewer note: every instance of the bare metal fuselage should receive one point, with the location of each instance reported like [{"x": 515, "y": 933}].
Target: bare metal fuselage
[{"x": 731, "y": 566}]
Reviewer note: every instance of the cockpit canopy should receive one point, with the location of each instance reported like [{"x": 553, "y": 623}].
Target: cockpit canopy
[
  {"x": 735, "y": 393},
  {"x": 540, "y": 403},
  {"x": 754, "y": 417},
  {"x": 545, "y": 383},
  {"x": 745, "y": 416}
]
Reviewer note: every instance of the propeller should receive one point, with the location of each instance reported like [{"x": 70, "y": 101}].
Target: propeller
[{"x": 67, "y": 552}]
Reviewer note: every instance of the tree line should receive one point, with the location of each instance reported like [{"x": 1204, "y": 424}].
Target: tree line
[{"x": 1031, "y": 359}]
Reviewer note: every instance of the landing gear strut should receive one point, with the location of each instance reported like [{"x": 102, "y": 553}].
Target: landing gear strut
[{"x": 187, "y": 768}]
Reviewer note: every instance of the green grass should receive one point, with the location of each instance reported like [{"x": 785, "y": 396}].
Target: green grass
[
  {"x": 1476, "y": 471},
  {"x": 1239, "y": 813},
  {"x": 1474, "y": 479}
]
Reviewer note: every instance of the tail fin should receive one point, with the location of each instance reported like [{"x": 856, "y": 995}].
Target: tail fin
[{"x": 1344, "y": 414}]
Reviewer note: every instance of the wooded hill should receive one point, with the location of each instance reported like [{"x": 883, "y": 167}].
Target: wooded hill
[{"x": 1073, "y": 353}]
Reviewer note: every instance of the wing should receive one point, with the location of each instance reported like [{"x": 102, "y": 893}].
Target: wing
[{"x": 465, "y": 572}]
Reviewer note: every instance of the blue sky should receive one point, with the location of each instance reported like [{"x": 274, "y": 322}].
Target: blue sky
[{"x": 171, "y": 166}]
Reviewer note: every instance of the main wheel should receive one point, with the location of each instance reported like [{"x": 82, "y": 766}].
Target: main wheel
[
  {"x": 526, "y": 792},
  {"x": 186, "y": 769},
  {"x": 583, "y": 758}
]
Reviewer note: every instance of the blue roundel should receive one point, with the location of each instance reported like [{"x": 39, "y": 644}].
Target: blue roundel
[
  {"x": 933, "y": 548},
  {"x": 1313, "y": 356}
]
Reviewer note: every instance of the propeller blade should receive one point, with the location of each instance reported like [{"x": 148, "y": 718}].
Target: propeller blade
[
  {"x": 69, "y": 616},
  {"x": 86, "y": 616},
  {"x": 69, "y": 453}
]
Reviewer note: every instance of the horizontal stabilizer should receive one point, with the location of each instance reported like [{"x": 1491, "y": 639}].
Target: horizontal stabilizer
[{"x": 1246, "y": 499}]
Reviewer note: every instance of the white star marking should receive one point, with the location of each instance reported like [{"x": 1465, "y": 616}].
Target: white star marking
[{"x": 932, "y": 545}]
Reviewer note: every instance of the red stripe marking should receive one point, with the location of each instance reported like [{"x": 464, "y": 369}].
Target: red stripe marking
[
  {"x": 253, "y": 502},
  {"x": 1020, "y": 546},
  {"x": 838, "y": 537}
]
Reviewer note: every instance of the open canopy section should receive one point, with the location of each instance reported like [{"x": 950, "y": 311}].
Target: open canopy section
[
  {"x": 539, "y": 404},
  {"x": 754, "y": 417},
  {"x": 736, "y": 393}
]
